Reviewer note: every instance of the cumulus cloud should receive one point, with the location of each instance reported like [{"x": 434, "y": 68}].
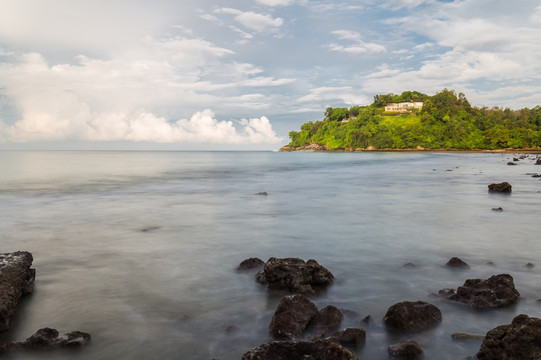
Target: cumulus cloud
[
  {"x": 356, "y": 45},
  {"x": 254, "y": 21},
  {"x": 329, "y": 94}
]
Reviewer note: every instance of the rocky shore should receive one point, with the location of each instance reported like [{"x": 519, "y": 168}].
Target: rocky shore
[{"x": 323, "y": 148}]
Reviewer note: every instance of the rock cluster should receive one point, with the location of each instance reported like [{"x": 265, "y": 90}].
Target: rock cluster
[
  {"x": 497, "y": 291},
  {"x": 294, "y": 275},
  {"x": 322, "y": 349},
  {"x": 48, "y": 338}
]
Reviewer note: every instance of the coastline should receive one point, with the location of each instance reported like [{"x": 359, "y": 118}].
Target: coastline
[{"x": 323, "y": 148}]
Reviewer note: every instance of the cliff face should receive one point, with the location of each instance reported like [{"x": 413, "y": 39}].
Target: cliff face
[{"x": 16, "y": 279}]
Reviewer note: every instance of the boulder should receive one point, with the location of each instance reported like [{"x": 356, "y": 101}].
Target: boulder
[
  {"x": 350, "y": 337},
  {"x": 538, "y": 162},
  {"x": 251, "y": 264},
  {"x": 16, "y": 279},
  {"x": 503, "y": 187},
  {"x": 48, "y": 338},
  {"x": 329, "y": 318},
  {"x": 497, "y": 291},
  {"x": 294, "y": 275},
  {"x": 511, "y": 163},
  {"x": 409, "y": 350},
  {"x": 322, "y": 349},
  {"x": 497, "y": 209},
  {"x": 457, "y": 263},
  {"x": 519, "y": 340},
  {"x": 292, "y": 317},
  {"x": 412, "y": 316}
]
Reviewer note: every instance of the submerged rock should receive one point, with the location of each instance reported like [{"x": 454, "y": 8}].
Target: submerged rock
[
  {"x": 409, "y": 350},
  {"x": 497, "y": 291},
  {"x": 503, "y": 187},
  {"x": 292, "y": 317},
  {"x": 466, "y": 336},
  {"x": 294, "y": 275},
  {"x": 497, "y": 209},
  {"x": 48, "y": 338},
  {"x": 412, "y": 316},
  {"x": 519, "y": 340},
  {"x": 250, "y": 264},
  {"x": 16, "y": 279},
  {"x": 457, "y": 263},
  {"x": 323, "y": 349},
  {"x": 350, "y": 337}
]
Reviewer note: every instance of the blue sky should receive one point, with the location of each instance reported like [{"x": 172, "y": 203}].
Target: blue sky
[{"x": 238, "y": 74}]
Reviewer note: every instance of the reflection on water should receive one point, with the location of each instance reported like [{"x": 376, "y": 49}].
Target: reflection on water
[{"x": 139, "y": 248}]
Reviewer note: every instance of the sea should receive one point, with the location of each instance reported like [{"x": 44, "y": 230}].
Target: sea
[{"x": 140, "y": 249}]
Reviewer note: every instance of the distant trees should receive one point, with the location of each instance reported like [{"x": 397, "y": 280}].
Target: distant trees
[{"x": 447, "y": 120}]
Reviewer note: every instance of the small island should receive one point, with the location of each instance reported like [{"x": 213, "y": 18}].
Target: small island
[{"x": 413, "y": 121}]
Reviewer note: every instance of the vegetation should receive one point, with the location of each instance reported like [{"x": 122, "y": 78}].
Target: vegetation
[{"x": 446, "y": 121}]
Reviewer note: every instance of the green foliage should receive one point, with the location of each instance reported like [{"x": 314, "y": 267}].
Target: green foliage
[{"x": 447, "y": 120}]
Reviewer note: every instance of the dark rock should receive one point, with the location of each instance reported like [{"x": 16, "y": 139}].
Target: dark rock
[
  {"x": 497, "y": 291},
  {"x": 150, "y": 228},
  {"x": 294, "y": 275},
  {"x": 292, "y": 317},
  {"x": 519, "y": 340},
  {"x": 497, "y": 209},
  {"x": 231, "y": 330},
  {"x": 515, "y": 159},
  {"x": 412, "y": 316},
  {"x": 466, "y": 336},
  {"x": 457, "y": 263},
  {"x": 503, "y": 187},
  {"x": 263, "y": 193},
  {"x": 536, "y": 175},
  {"x": 409, "y": 350},
  {"x": 323, "y": 349},
  {"x": 529, "y": 265},
  {"x": 538, "y": 162},
  {"x": 490, "y": 263},
  {"x": 250, "y": 264},
  {"x": 328, "y": 318},
  {"x": 350, "y": 337},
  {"x": 367, "y": 319},
  {"x": 48, "y": 338},
  {"x": 409, "y": 266},
  {"x": 511, "y": 163},
  {"x": 16, "y": 279}
]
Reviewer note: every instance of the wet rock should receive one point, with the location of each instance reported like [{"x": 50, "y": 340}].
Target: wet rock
[
  {"x": 529, "y": 265},
  {"x": 367, "y": 319},
  {"x": 536, "y": 175},
  {"x": 292, "y": 317},
  {"x": 294, "y": 275},
  {"x": 538, "y": 162},
  {"x": 409, "y": 266},
  {"x": 350, "y": 337},
  {"x": 497, "y": 209},
  {"x": 48, "y": 338},
  {"x": 16, "y": 279},
  {"x": 412, "y": 316},
  {"x": 503, "y": 187},
  {"x": 328, "y": 318},
  {"x": 497, "y": 291},
  {"x": 490, "y": 263},
  {"x": 465, "y": 336},
  {"x": 263, "y": 193},
  {"x": 457, "y": 263},
  {"x": 251, "y": 264},
  {"x": 511, "y": 163},
  {"x": 323, "y": 349},
  {"x": 408, "y": 351},
  {"x": 515, "y": 159},
  {"x": 519, "y": 340}
]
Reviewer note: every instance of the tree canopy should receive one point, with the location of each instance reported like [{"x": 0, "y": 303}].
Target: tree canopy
[{"x": 446, "y": 121}]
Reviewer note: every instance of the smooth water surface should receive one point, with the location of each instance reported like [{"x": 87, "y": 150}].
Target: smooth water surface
[{"x": 140, "y": 248}]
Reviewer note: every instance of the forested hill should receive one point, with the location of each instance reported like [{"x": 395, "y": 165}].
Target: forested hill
[{"x": 445, "y": 121}]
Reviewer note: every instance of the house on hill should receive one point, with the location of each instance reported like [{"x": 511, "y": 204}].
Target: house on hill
[{"x": 403, "y": 107}]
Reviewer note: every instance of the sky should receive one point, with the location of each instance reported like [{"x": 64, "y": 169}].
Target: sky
[{"x": 238, "y": 74}]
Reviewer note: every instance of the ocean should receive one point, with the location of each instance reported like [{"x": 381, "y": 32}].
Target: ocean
[{"x": 140, "y": 248}]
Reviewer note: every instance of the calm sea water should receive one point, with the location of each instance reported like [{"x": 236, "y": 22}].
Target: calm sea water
[{"x": 140, "y": 248}]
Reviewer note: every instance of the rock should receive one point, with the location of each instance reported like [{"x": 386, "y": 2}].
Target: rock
[
  {"x": 250, "y": 264},
  {"x": 350, "y": 337},
  {"x": 497, "y": 291},
  {"x": 408, "y": 350},
  {"x": 519, "y": 340},
  {"x": 412, "y": 316},
  {"x": 294, "y": 275},
  {"x": 16, "y": 279},
  {"x": 322, "y": 349},
  {"x": 457, "y": 263},
  {"x": 490, "y": 263},
  {"x": 409, "y": 266},
  {"x": 536, "y": 175},
  {"x": 292, "y": 317},
  {"x": 497, "y": 209},
  {"x": 529, "y": 265},
  {"x": 515, "y": 159},
  {"x": 503, "y": 187},
  {"x": 367, "y": 319},
  {"x": 48, "y": 338},
  {"x": 538, "y": 162},
  {"x": 263, "y": 193},
  {"x": 511, "y": 163},
  {"x": 466, "y": 336},
  {"x": 329, "y": 318}
]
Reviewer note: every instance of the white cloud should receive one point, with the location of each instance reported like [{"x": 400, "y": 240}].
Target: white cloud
[
  {"x": 328, "y": 94},
  {"x": 254, "y": 21},
  {"x": 356, "y": 46},
  {"x": 275, "y": 2}
]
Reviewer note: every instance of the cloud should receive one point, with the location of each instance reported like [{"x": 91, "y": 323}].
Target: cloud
[
  {"x": 276, "y": 2},
  {"x": 356, "y": 46},
  {"x": 328, "y": 94},
  {"x": 254, "y": 21}
]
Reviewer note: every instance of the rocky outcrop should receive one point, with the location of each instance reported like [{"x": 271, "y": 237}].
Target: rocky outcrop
[
  {"x": 503, "y": 187},
  {"x": 323, "y": 349},
  {"x": 16, "y": 279},
  {"x": 309, "y": 148},
  {"x": 410, "y": 316},
  {"x": 519, "y": 340},
  {"x": 294, "y": 275},
  {"x": 292, "y": 317},
  {"x": 497, "y": 291},
  {"x": 48, "y": 338},
  {"x": 251, "y": 264},
  {"x": 457, "y": 263},
  {"x": 329, "y": 318},
  {"x": 409, "y": 350}
]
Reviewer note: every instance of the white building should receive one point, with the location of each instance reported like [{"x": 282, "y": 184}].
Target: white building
[{"x": 405, "y": 106}]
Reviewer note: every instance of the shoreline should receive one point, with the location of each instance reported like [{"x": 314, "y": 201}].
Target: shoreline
[{"x": 323, "y": 148}]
